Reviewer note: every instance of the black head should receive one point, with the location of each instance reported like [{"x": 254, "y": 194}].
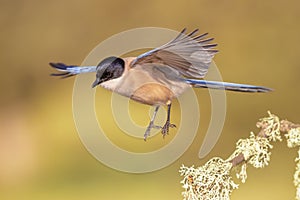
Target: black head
[{"x": 109, "y": 68}]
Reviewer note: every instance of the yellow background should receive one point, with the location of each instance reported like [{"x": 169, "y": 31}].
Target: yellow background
[{"x": 41, "y": 155}]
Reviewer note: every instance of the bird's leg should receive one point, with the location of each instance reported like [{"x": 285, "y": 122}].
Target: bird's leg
[
  {"x": 151, "y": 124},
  {"x": 165, "y": 128}
]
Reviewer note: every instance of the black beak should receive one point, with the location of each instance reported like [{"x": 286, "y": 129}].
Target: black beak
[{"x": 97, "y": 82}]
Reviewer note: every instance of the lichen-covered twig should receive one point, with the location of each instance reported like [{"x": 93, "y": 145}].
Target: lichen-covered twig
[{"x": 213, "y": 180}]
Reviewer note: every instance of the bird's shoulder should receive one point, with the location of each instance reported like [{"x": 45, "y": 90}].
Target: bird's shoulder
[{"x": 128, "y": 62}]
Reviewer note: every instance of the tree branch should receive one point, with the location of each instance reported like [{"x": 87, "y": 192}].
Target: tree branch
[{"x": 213, "y": 180}]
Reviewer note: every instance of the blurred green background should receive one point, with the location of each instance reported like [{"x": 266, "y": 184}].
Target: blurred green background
[{"x": 41, "y": 155}]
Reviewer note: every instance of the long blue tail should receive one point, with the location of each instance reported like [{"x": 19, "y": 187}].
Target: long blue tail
[
  {"x": 227, "y": 86},
  {"x": 70, "y": 70}
]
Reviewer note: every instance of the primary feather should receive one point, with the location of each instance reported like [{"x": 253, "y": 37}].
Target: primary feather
[{"x": 190, "y": 54}]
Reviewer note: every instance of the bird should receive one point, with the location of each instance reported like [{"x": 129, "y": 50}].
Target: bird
[{"x": 158, "y": 76}]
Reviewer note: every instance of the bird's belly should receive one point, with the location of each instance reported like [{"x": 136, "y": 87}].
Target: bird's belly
[{"x": 153, "y": 94}]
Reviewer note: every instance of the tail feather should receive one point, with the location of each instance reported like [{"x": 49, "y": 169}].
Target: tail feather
[
  {"x": 70, "y": 70},
  {"x": 227, "y": 86}
]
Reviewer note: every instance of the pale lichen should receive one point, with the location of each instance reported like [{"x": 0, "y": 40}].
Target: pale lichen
[
  {"x": 270, "y": 127},
  {"x": 242, "y": 174},
  {"x": 293, "y": 140},
  {"x": 255, "y": 150},
  {"x": 297, "y": 176},
  {"x": 210, "y": 181},
  {"x": 293, "y": 137},
  {"x": 213, "y": 180}
]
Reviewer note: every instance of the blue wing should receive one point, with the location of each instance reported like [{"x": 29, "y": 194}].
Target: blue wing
[
  {"x": 227, "y": 86},
  {"x": 190, "y": 54},
  {"x": 71, "y": 70}
]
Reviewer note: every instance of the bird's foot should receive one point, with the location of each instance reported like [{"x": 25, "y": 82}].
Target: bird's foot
[
  {"x": 147, "y": 133},
  {"x": 166, "y": 127}
]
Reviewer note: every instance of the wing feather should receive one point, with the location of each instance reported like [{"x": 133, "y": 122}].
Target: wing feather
[{"x": 190, "y": 54}]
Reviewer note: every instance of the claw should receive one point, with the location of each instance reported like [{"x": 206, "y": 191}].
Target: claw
[
  {"x": 151, "y": 124},
  {"x": 166, "y": 127},
  {"x": 147, "y": 132}
]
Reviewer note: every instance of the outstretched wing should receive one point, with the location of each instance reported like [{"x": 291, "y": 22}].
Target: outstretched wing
[
  {"x": 190, "y": 54},
  {"x": 70, "y": 70}
]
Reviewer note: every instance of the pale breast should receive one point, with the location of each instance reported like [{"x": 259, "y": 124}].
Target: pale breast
[{"x": 148, "y": 84}]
